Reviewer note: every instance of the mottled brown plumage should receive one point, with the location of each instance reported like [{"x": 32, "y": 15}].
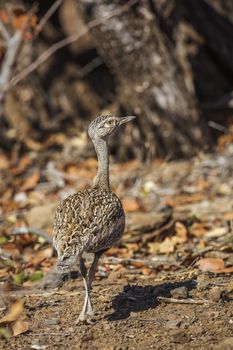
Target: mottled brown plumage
[{"x": 91, "y": 220}]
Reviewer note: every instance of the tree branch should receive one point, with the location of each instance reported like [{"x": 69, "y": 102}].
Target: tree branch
[
  {"x": 48, "y": 14},
  {"x": 13, "y": 44},
  {"x": 4, "y": 31},
  {"x": 74, "y": 37}
]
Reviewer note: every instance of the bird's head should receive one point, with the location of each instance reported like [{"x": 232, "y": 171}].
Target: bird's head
[
  {"x": 66, "y": 263},
  {"x": 105, "y": 125}
]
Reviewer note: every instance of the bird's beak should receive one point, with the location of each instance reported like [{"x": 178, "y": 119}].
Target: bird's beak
[{"x": 126, "y": 119}]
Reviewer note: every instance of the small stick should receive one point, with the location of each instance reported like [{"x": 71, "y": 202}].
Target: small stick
[
  {"x": 4, "y": 32},
  {"x": 48, "y": 14},
  {"x": 183, "y": 301},
  {"x": 70, "y": 39},
  {"x": 32, "y": 293},
  {"x": 47, "y": 334}
]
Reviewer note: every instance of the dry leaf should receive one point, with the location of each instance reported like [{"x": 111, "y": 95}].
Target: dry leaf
[
  {"x": 198, "y": 229},
  {"x": 30, "y": 182},
  {"x": 15, "y": 310},
  {"x": 181, "y": 232},
  {"x": 4, "y": 162},
  {"x": 137, "y": 264},
  {"x": 186, "y": 199},
  {"x": 146, "y": 271},
  {"x": 216, "y": 232},
  {"x": 210, "y": 264},
  {"x": 19, "y": 327},
  {"x": 226, "y": 270},
  {"x": 130, "y": 204},
  {"x": 33, "y": 145},
  {"x": 228, "y": 216},
  {"x": 165, "y": 247}
]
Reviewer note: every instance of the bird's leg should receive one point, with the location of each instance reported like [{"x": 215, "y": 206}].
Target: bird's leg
[
  {"x": 91, "y": 276},
  {"x": 83, "y": 270}
]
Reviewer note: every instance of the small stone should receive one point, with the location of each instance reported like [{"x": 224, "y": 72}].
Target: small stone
[
  {"x": 215, "y": 294},
  {"x": 173, "y": 323},
  {"x": 181, "y": 337},
  {"x": 20, "y": 197},
  {"x": 52, "y": 321},
  {"x": 203, "y": 282},
  {"x": 38, "y": 346},
  {"x": 180, "y": 293}
]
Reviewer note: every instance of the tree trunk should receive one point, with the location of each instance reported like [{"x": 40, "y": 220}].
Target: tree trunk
[{"x": 149, "y": 79}]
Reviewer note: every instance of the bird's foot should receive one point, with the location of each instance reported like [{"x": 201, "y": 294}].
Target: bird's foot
[
  {"x": 84, "y": 319},
  {"x": 91, "y": 312}
]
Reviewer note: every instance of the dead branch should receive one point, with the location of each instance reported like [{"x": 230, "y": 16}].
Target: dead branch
[
  {"x": 183, "y": 301},
  {"x": 4, "y": 32},
  {"x": 74, "y": 37},
  {"x": 48, "y": 14},
  {"x": 12, "y": 46}
]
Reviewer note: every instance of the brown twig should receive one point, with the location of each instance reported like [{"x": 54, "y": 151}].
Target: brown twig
[
  {"x": 183, "y": 301},
  {"x": 48, "y": 14},
  {"x": 74, "y": 37},
  {"x": 33, "y": 293},
  {"x": 12, "y": 46},
  {"x": 4, "y": 31}
]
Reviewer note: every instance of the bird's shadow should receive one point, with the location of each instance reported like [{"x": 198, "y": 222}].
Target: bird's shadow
[{"x": 135, "y": 298}]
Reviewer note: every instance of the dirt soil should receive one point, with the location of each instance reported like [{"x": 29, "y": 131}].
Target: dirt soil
[
  {"x": 131, "y": 316},
  {"x": 167, "y": 285}
]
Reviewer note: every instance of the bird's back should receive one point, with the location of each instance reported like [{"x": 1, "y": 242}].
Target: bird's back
[{"x": 90, "y": 220}]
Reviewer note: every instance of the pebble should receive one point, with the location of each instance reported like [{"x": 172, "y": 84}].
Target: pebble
[
  {"x": 173, "y": 323},
  {"x": 203, "y": 282},
  {"x": 37, "y": 346},
  {"x": 215, "y": 294},
  {"x": 52, "y": 321},
  {"x": 181, "y": 337},
  {"x": 180, "y": 293}
]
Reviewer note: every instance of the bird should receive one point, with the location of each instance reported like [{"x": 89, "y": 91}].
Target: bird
[{"x": 91, "y": 220}]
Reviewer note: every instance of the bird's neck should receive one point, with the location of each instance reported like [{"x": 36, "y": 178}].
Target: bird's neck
[{"x": 102, "y": 178}]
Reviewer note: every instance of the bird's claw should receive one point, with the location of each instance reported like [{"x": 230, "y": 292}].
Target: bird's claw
[{"x": 84, "y": 319}]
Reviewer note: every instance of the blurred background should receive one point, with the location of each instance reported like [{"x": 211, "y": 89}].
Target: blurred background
[{"x": 168, "y": 62}]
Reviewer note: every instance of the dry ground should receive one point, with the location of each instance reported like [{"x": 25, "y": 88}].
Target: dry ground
[{"x": 168, "y": 285}]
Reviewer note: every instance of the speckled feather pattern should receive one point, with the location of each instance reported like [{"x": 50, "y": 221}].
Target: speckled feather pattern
[{"x": 90, "y": 220}]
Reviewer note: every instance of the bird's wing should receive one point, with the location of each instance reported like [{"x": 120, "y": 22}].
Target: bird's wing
[{"x": 85, "y": 220}]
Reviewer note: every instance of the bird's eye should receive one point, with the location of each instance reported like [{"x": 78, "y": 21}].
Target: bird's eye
[{"x": 109, "y": 123}]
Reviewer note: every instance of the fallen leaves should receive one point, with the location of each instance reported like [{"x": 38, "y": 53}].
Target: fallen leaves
[
  {"x": 15, "y": 323},
  {"x": 168, "y": 245},
  {"x": 20, "y": 19},
  {"x": 186, "y": 198},
  {"x": 19, "y": 327},
  {"x": 130, "y": 204},
  {"x": 30, "y": 182},
  {"x": 15, "y": 310},
  {"x": 213, "y": 265}
]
